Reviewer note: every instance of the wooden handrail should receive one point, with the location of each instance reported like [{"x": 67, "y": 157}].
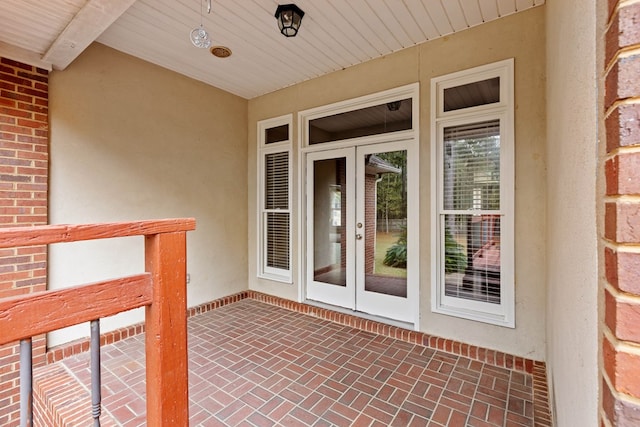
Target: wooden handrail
[
  {"x": 162, "y": 290},
  {"x": 25, "y": 316},
  {"x": 48, "y": 234}
]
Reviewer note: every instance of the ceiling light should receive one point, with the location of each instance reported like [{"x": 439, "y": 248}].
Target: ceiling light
[
  {"x": 199, "y": 36},
  {"x": 289, "y": 17}
]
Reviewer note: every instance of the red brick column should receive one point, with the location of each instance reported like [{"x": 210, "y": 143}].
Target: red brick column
[
  {"x": 24, "y": 170},
  {"x": 621, "y": 331}
]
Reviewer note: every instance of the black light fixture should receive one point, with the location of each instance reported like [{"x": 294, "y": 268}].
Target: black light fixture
[
  {"x": 394, "y": 105},
  {"x": 289, "y": 17}
]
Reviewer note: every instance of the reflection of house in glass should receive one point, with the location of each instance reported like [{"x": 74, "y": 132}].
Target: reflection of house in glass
[{"x": 375, "y": 167}]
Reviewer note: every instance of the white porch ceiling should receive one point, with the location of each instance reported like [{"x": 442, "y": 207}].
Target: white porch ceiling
[{"x": 334, "y": 34}]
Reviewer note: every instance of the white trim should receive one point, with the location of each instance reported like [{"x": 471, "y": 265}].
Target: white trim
[
  {"x": 502, "y": 69},
  {"x": 502, "y": 314},
  {"x": 396, "y": 94},
  {"x": 412, "y": 139},
  {"x": 263, "y": 149}
]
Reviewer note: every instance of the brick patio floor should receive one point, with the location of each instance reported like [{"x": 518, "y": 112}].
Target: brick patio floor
[{"x": 255, "y": 364}]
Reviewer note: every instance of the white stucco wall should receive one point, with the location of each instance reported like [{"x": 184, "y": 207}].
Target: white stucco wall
[
  {"x": 131, "y": 141},
  {"x": 572, "y": 275},
  {"x": 520, "y": 36}
]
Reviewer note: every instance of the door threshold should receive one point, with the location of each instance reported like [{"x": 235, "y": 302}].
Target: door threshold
[{"x": 392, "y": 322}]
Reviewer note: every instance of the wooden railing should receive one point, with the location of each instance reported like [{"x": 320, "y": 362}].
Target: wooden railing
[{"x": 161, "y": 289}]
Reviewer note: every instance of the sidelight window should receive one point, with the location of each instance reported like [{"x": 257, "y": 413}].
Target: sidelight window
[
  {"x": 274, "y": 186},
  {"x": 472, "y": 147}
]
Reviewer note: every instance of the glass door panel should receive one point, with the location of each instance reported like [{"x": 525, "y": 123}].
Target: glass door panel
[
  {"x": 361, "y": 230},
  {"x": 385, "y": 227},
  {"x": 384, "y": 242},
  {"x": 330, "y": 218}
]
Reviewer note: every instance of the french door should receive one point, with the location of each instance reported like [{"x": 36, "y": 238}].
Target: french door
[{"x": 361, "y": 229}]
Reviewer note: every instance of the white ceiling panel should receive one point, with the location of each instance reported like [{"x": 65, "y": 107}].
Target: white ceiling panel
[
  {"x": 423, "y": 19},
  {"x": 333, "y": 35},
  {"x": 489, "y": 9},
  {"x": 524, "y": 4},
  {"x": 407, "y": 22},
  {"x": 387, "y": 15},
  {"x": 439, "y": 17},
  {"x": 506, "y": 7},
  {"x": 456, "y": 15},
  {"x": 472, "y": 12}
]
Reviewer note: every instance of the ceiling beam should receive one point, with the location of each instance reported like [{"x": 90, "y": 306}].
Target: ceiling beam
[
  {"x": 91, "y": 21},
  {"x": 23, "y": 55}
]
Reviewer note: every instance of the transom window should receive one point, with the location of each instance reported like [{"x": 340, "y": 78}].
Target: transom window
[
  {"x": 472, "y": 152},
  {"x": 391, "y": 114}
]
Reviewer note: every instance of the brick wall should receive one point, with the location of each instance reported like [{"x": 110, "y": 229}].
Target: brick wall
[
  {"x": 24, "y": 161},
  {"x": 621, "y": 333}
]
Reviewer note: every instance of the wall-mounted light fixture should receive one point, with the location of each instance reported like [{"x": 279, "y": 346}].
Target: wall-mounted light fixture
[{"x": 289, "y": 17}]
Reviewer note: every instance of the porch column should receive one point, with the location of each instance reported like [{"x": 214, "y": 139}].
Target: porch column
[{"x": 24, "y": 176}]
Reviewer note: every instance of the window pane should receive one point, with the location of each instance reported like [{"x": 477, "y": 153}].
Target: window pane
[
  {"x": 472, "y": 94},
  {"x": 276, "y": 134},
  {"x": 388, "y": 117},
  {"x": 277, "y": 230},
  {"x": 471, "y": 166},
  {"x": 276, "y": 181},
  {"x": 329, "y": 221},
  {"x": 385, "y": 226},
  {"x": 472, "y": 257}
]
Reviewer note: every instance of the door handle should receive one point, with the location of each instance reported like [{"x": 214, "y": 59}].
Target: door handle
[{"x": 358, "y": 236}]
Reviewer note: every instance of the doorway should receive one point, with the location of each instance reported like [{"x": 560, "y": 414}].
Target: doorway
[{"x": 361, "y": 229}]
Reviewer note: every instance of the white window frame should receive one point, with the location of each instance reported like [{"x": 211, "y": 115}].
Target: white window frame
[
  {"x": 411, "y": 91},
  {"x": 264, "y": 149},
  {"x": 396, "y": 94},
  {"x": 502, "y": 314}
]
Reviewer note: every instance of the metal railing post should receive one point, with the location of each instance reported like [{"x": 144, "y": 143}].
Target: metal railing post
[
  {"x": 26, "y": 383},
  {"x": 96, "y": 379}
]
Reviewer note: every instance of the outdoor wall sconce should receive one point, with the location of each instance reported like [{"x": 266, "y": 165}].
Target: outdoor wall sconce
[{"x": 289, "y": 17}]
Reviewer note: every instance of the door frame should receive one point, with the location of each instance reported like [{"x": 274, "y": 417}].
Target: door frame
[{"x": 412, "y": 139}]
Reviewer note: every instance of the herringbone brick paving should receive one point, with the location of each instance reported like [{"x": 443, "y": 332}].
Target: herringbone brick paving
[{"x": 254, "y": 364}]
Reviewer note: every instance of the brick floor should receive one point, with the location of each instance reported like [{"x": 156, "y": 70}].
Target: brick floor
[{"x": 255, "y": 364}]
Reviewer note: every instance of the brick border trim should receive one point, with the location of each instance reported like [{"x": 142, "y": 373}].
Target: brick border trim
[
  {"x": 542, "y": 414},
  {"x": 481, "y": 354}
]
